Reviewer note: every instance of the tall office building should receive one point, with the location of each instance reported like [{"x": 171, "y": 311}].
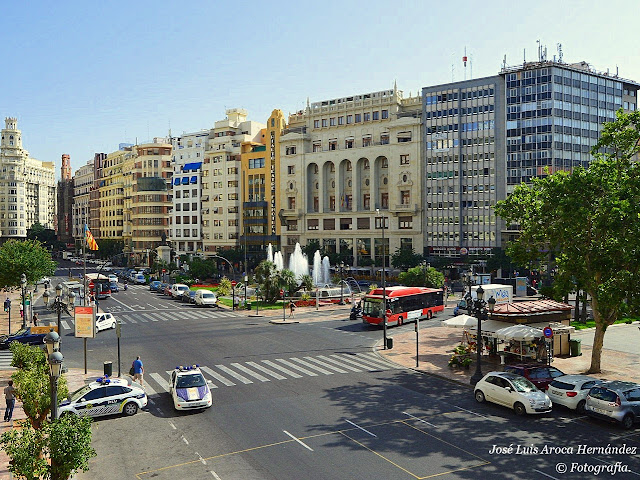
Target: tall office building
[
  {"x": 65, "y": 202},
  {"x": 82, "y": 183},
  {"x": 27, "y": 187},
  {"x": 344, "y": 159},
  {"x": 485, "y": 136}
]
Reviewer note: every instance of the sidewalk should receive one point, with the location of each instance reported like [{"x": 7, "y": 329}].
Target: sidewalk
[
  {"x": 437, "y": 343},
  {"x": 75, "y": 379}
]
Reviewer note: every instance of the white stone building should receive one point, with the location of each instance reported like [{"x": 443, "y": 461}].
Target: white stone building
[
  {"x": 27, "y": 187},
  {"x": 82, "y": 183}
]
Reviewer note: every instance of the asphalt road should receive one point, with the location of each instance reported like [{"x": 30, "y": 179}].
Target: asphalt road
[{"x": 312, "y": 401}]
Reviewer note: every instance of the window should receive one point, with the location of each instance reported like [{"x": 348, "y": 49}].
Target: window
[
  {"x": 349, "y": 119},
  {"x": 317, "y": 147},
  {"x": 291, "y": 169},
  {"x": 405, "y": 222},
  {"x": 348, "y": 143},
  {"x": 363, "y": 223},
  {"x": 291, "y": 203},
  {"x": 329, "y": 224},
  {"x": 332, "y": 121},
  {"x": 232, "y": 196},
  {"x": 316, "y": 204},
  {"x": 366, "y": 201},
  {"x": 349, "y": 167},
  {"x": 316, "y": 124},
  {"x": 340, "y": 120},
  {"x": 384, "y": 139},
  {"x": 384, "y": 200},
  {"x": 376, "y": 115},
  {"x": 367, "y": 117},
  {"x": 358, "y": 117},
  {"x": 366, "y": 141},
  {"x": 332, "y": 203},
  {"x": 324, "y": 122},
  {"x": 345, "y": 224},
  {"x": 404, "y": 159},
  {"x": 290, "y": 150},
  {"x": 333, "y": 144},
  {"x": 385, "y": 114},
  {"x": 313, "y": 224}
]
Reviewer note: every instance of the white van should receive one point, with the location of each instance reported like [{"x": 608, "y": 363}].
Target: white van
[
  {"x": 205, "y": 298},
  {"x": 177, "y": 289}
]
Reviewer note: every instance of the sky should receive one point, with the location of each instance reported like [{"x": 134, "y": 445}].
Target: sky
[{"x": 83, "y": 77}]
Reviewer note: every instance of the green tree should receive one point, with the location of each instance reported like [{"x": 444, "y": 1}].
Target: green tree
[
  {"x": 405, "y": 258},
  {"x": 589, "y": 220},
  {"x": 45, "y": 236},
  {"x": 202, "y": 268},
  {"x": 310, "y": 248},
  {"x": 32, "y": 382},
  {"x": 108, "y": 247},
  {"x": 224, "y": 287},
  {"x": 422, "y": 276},
  {"x": 24, "y": 256},
  {"x": 267, "y": 277}
]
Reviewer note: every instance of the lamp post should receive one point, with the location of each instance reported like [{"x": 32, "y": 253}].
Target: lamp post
[
  {"x": 384, "y": 282},
  {"x": 478, "y": 309},
  {"x": 52, "y": 340},
  {"x": 23, "y": 285},
  {"x": 341, "y": 282},
  {"x": 233, "y": 286}
]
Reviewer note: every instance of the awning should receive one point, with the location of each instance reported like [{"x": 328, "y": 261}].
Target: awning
[
  {"x": 461, "y": 321},
  {"x": 558, "y": 328},
  {"x": 191, "y": 166},
  {"x": 185, "y": 180},
  {"x": 489, "y": 327},
  {"x": 176, "y": 181},
  {"x": 194, "y": 179},
  {"x": 520, "y": 333}
]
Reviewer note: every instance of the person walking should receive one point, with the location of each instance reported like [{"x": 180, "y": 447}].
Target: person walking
[
  {"x": 35, "y": 319},
  {"x": 138, "y": 370},
  {"x": 9, "y": 396},
  {"x": 21, "y": 310}
]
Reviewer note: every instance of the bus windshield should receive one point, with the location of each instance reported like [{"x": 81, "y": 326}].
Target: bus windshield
[{"x": 372, "y": 307}]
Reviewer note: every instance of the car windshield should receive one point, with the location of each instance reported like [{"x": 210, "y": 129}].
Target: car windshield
[
  {"x": 188, "y": 381},
  {"x": 22, "y": 331},
  {"x": 78, "y": 394},
  {"x": 208, "y": 295},
  {"x": 523, "y": 385}
]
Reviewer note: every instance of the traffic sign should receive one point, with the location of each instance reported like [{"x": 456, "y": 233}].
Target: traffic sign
[
  {"x": 548, "y": 332},
  {"x": 281, "y": 292},
  {"x": 233, "y": 283}
]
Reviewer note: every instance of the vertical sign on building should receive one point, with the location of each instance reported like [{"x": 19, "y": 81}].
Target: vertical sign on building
[{"x": 273, "y": 182}]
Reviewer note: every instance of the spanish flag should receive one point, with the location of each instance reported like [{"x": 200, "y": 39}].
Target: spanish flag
[{"x": 91, "y": 242}]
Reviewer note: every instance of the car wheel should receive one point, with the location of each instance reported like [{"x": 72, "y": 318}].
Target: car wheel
[
  {"x": 479, "y": 396},
  {"x": 130, "y": 408},
  {"x": 580, "y": 407},
  {"x": 627, "y": 421},
  {"x": 400, "y": 321},
  {"x": 519, "y": 409},
  {"x": 113, "y": 325}
]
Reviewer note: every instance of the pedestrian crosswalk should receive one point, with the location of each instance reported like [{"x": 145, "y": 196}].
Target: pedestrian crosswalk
[
  {"x": 150, "y": 316},
  {"x": 5, "y": 360},
  {"x": 277, "y": 369}
]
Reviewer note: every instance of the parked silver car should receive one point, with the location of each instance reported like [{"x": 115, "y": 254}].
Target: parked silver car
[
  {"x": 615, "y": 401},
  {"x": 571, "y": 391}
]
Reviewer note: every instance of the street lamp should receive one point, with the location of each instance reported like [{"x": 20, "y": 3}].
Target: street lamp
[
  {"x": 58, "y": 304},
  {"x": 341, "y": 282},
  {"x": 478, "y": 308},
  {"x": 52, "y": 340},
  {"x": 23, "y": 284},
  {"x": 384, "y": 283}
]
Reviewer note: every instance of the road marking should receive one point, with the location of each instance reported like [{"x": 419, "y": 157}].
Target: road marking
[
  {"x": 201, "y": 459},
  {"x": 172, "y": 425},
  {"x": 324, "y": 364},
  {"x": 144, "y": 320},
  {"x": 310, "y": 365},
  {"x": 373, "y": 361},
  {"x": 161, "y": 381},
  {"x": 153, "y": 307},
  {"x": 469, "y": 411},
  {"x": 342, "y": 365},
  {"x": 249, "y": 372},
  {"x": 121, "y": 303},
  {"x": 297, "y": 367},
  {"x": 363, "y": 429},
  {"x": 132, "y": 320},
  {"x": 184, "y": 439},
  {"x": 215, "y": 475},
  {"x": 353, "y": 361},
  {"x": 65, "y": 325},
  {"x": 545, "y": 474},
  {"x": 275, "y": 375},
  {"x": 149, "y": 389},
  {"x": 150, "y": 317},
  {"x": 217, "y": 376},
  {"x": 281, "y": 368},
  {"x": 374, "y": 358},
  {"x": 419, "y": 419},
  {"x": 235, "y": 375},
  {"x": 299, "y": 441}
]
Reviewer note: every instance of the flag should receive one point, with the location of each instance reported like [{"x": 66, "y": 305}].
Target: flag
[{"x": 91, "y": 242}]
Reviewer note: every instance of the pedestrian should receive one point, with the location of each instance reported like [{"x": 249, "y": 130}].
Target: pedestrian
[
  {"x": 21, "y": 310},
  {"x": 292, "y": 307},
  {"x": 138, "y": 370},
  {"x": 9, "y": 396},
  {"x": 35, "y": 319}
]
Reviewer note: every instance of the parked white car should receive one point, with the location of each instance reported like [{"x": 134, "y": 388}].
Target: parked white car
[
  {"x": 104, "y": 321},
  {"x": 205, "y": 298},
  {"x": 512, "y": 391},
  {"x": 571, "y": 391},
  {"x": 177, "y": 289}
]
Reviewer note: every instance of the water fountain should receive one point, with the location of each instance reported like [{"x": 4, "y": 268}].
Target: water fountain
[
  {"x": 318, "y": 276},
  {"x": 270, "y": 253},
  {"x": 325, "y": 271},
  {"x": 298, "y": 262},
  {"x": 278, "y": 260}
]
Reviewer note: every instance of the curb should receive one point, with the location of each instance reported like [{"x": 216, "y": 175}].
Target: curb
[{"x": 283, "y": 322}]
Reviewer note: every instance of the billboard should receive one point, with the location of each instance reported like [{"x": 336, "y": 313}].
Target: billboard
[{"x": 85, "y": 322}]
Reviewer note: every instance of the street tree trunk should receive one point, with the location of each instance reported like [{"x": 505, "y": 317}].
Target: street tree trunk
[{"x": 598, "y": 338}]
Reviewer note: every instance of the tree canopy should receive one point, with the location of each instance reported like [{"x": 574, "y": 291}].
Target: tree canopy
[
  {"x": 24, "y": 256},
  {"x": 589, "y": 221},
  {"x": 405, "y": 258},
  {"x": 422, "y": 276}
]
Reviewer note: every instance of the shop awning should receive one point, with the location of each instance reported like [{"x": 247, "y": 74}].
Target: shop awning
[
  {"x": 520, "y": 333},
  {"x": 489, "y": 327}
]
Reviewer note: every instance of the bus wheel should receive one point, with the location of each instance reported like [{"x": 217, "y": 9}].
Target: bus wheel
[{"x": 399, "y": 321}]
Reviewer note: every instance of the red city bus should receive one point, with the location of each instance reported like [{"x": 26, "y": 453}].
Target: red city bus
[{"x": 403, "y": 304}]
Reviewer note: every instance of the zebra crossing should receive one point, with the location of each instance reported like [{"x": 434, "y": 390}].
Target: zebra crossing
[
  {"x": 5, "y": 360},
  {"x": 277, "y": 369},
  {"x": 151, "y": 316}
]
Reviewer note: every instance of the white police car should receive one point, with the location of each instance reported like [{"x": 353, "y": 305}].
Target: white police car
[
  {"x": 188, "y": 388},
  {"x": 105, "y": 396}
]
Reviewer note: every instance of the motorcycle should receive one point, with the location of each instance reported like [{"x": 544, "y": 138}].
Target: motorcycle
[
  {"x": 125, "y": 286},
  {"x": 356, "y": 312}
]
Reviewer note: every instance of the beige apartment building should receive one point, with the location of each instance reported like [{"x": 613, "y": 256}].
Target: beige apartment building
[
  {"x": 346, "y": 161},
  {"x": 81, "y": 214},
  {"x": 27, "y": 187},
  {"x": 111, "y": 188},
  {"x": 221, "y": 178}
]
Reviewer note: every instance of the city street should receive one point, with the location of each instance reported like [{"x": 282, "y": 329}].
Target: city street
[{"x": 311, "y": 400}]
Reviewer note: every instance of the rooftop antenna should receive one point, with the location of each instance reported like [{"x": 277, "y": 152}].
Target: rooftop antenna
[
  {"x": 539, "y": 50},
  {"x": 464, "y": 60},
  {"x": 452, "y": 73},
  {"x": 524, "y": 55},
  {"x": 559, "y": 53},
  {"x": 504, "y": 62}
]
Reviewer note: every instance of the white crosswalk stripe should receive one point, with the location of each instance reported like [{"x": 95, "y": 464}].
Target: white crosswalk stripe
[
  {"x": 161, "y": 381},
  {"x": 251, "y": 373},
  {"x": 282, "y": 369},
  {"x": 342, "y": 365},
  {"x": 311, "y": 366},
  {"x": 217, "y": 376},
  {"x": 346, "y": 359},
  {"x": 153, "y": 318},
  {"x": 149, "y": 389},
  {"x": 233, "y": 374},
  {"x": 297, "y": 367},
  {"x": 275, "y": 375},
  {"x": 325, "y": 364},
  {"x": 65, "y": 325},
  {"x": 372, "y": 358}
]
